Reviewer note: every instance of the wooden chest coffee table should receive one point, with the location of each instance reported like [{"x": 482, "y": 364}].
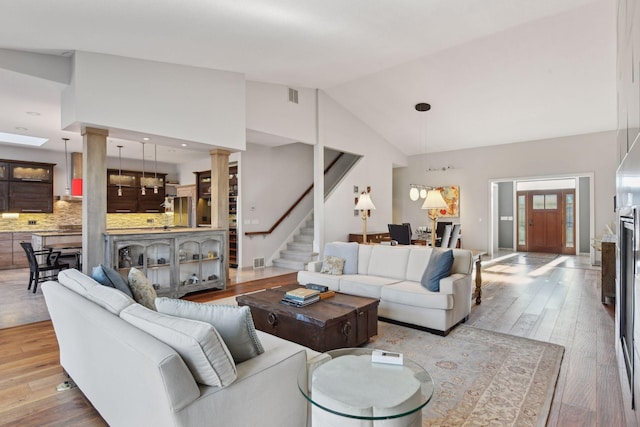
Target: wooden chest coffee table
[{"x": 336, "y": 322}]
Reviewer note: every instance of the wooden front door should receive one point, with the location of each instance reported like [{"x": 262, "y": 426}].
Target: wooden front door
[{"x": 546, "y": 221}]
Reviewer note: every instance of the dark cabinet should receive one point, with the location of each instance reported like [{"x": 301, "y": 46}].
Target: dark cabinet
[
  {"x": 124, "y": 192},
  {"x": 26, "y": 187}
]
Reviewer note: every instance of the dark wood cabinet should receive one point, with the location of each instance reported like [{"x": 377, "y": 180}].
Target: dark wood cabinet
[
  {"x": 129, "y": 185},
  {"x": 371, "y": 237},
  {"x": 30, "y": 197},
  {"x": 26, "y": 187}
]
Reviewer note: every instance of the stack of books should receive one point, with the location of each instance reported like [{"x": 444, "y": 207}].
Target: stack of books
[{"x": 301, "y": 297}]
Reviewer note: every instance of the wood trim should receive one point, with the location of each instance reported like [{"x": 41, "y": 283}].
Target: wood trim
[{"x": 293, "y": 206}]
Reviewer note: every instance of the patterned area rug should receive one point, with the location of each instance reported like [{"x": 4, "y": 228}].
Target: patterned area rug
[{"x": 482, "y": 378}]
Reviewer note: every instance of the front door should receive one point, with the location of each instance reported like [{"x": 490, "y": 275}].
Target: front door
[{"x": 546, "y": 221}]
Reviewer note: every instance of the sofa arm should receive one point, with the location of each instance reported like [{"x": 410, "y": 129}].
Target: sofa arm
[
  {"x": 459, "y": 285},
  {"x": 315, "y": 266}
]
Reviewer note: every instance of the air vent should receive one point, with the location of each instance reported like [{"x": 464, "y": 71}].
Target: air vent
[
  {"x": 293, "y": 96},
  {"x": 258, "y": 263}
]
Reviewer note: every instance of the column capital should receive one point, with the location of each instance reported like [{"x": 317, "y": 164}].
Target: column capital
[
  {"x": 219, "y": 152},
  {"x": 96, "y": 131}
]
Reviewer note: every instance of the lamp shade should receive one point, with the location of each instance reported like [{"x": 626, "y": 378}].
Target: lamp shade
[
  {"x": 434, "y": 200},
  {"x": 414, "y": 194},
  {"x": 364, "y": 203}
]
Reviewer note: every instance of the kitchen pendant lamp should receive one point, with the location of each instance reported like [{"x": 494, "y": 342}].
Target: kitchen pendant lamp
[
  {"x": 67, "y": 190},
  {"x": 119, "y": 170},
  {"x": 144, "y": 191},
  {"x": 155, "y": 173},
  {"x": 414, "y": 194}
]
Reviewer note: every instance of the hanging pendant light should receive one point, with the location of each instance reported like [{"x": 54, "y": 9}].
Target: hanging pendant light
[
  {"x": 155, "y": 177},
  {"x": 423, "y": 193},
  {"x": 67, "y": 190},
  {"x": 120, "y": 171},
  {"x": 144, "y": 191}
]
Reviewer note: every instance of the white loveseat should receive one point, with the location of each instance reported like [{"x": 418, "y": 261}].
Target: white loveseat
[
  {"x": 393, "y": 275},
  {"x": 134, "y": 379}
]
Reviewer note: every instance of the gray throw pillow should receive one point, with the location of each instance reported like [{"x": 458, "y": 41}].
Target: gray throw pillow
[
  {"x": 346, "y": 251},
  {"x": 107, "y": 276},
  {"x": 234, "y": 324},
  {"x": 438, "y": 267}
]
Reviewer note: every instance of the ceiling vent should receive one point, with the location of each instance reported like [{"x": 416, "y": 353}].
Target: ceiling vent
[{"x": 293, "y": 96}]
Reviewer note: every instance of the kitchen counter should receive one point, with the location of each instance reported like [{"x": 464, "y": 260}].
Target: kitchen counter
[{"x": 128, "y": 231}]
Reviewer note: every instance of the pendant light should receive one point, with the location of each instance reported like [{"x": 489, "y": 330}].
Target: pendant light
[
  {"x": 120, "y": 171},
  {"x": 144, "y": 191},
  {"x": 67, "y": 190},
  {"x": 155, "y": 174}
]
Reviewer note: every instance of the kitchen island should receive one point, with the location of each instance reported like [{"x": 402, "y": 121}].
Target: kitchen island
[{"x": 177, "y": 261}]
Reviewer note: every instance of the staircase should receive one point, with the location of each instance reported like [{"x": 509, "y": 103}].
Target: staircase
[{"x": 300, "y": 251}]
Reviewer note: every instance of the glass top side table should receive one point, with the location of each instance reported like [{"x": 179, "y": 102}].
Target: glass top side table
[{"x": 345, "y": 383}]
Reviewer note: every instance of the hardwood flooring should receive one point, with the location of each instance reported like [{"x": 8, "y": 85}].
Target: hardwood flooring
[{"x": 549, "y": 298}]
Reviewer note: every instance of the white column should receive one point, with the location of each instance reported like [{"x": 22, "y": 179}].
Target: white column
[{"x": 318, "y": 183}]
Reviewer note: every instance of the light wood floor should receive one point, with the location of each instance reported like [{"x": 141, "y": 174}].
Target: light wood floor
[{"x": 555, "y": 299}]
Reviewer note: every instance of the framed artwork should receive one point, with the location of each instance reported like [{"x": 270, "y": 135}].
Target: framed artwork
[{"x": 451, "y": 195}]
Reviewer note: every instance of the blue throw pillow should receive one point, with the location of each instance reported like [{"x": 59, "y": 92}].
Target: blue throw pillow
[
  {"x": 107, "y": 276},
  {"x": 438, "y": 267},
  {"x": 347, "y": 251}
]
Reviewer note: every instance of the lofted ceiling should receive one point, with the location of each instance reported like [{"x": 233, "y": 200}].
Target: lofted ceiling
[{"x": 494, "y": 71}]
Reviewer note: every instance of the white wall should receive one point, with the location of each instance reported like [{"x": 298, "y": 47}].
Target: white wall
[
  {"x": 342, "y": 131},
  {"x": 185, "y": 103},
  {"x": 474, "y": 168},
  {"x": 269, "y": 111}
]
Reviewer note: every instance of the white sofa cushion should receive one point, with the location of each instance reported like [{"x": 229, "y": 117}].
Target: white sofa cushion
[
  {"x": 76, "y": 281},
  {"x": 347, "y": 251},
  {"x": 364, "y": 254},
  {"x": 109, "y": 298},
  {"x": 389, "y": 261},
  {"x": 233, "y": 323},
  {"x": 414, "y": 294},
  {"x": 365, "y": 286},
  {"x": 418, "y": 260},
  {"x": 330, "y": 280},
  {"x": 198, "y": 343}
]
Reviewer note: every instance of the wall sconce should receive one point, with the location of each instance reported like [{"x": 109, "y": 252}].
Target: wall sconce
[{"x": 417, "y": 191}]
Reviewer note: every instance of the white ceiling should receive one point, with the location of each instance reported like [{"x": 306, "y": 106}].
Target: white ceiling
[{"x": 495, "y": 71}]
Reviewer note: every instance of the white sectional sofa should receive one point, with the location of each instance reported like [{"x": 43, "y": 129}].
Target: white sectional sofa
[
  {"x": 134, "y": 379},
  {"x": 393, "y": 275}
]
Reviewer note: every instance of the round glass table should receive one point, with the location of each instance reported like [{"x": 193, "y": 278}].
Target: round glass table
[{"x": 345, "y": 384}]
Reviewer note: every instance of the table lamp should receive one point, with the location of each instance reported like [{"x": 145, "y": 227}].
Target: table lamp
[
  {"x": 364, "y": 204},
  {"x": 433, "y": 203}
]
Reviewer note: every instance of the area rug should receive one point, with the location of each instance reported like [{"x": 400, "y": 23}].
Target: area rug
[{"x": 481, "y": 378}]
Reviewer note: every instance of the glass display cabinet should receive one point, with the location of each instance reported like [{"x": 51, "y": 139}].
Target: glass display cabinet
[{"x": 176, "y": 261}]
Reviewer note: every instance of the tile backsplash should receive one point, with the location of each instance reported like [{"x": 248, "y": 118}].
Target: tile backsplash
[{"x": 66, "y": 214}]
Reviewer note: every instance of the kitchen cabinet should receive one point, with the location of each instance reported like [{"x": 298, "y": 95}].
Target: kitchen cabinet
[
  {"x": 176, "y": 261},
  {"x": 26, "y": 187},
  {"x": 129, "y": 185},
  {"x": 11, "y": 253}
]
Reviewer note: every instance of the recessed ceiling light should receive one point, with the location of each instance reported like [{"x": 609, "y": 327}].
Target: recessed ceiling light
[
  {"x": 183, "y": 144},
  {"x": 22, "y": 139},
  {"x": 33, "y": 113},
  {"x": 145, "y": 139}
]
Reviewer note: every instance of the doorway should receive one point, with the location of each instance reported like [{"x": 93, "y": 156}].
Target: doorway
[{"x": 546, "y": 221}]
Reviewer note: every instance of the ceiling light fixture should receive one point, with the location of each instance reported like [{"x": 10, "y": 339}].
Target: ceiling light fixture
[
  {"x": 144, "y": 191},
  {"x": 420, "y": 191},
  {"x": 120, "y": 171},
  {"x": 67, "y": 190}
]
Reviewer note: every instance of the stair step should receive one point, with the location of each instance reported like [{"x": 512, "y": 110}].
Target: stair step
[
  {"x": 307, "y": 231},
  {"x": 292, "y": 265},
  {"x": 297, "y": 255},
  {"x": 303, "y": 238},
  {"x": 300, "y": 246}
]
